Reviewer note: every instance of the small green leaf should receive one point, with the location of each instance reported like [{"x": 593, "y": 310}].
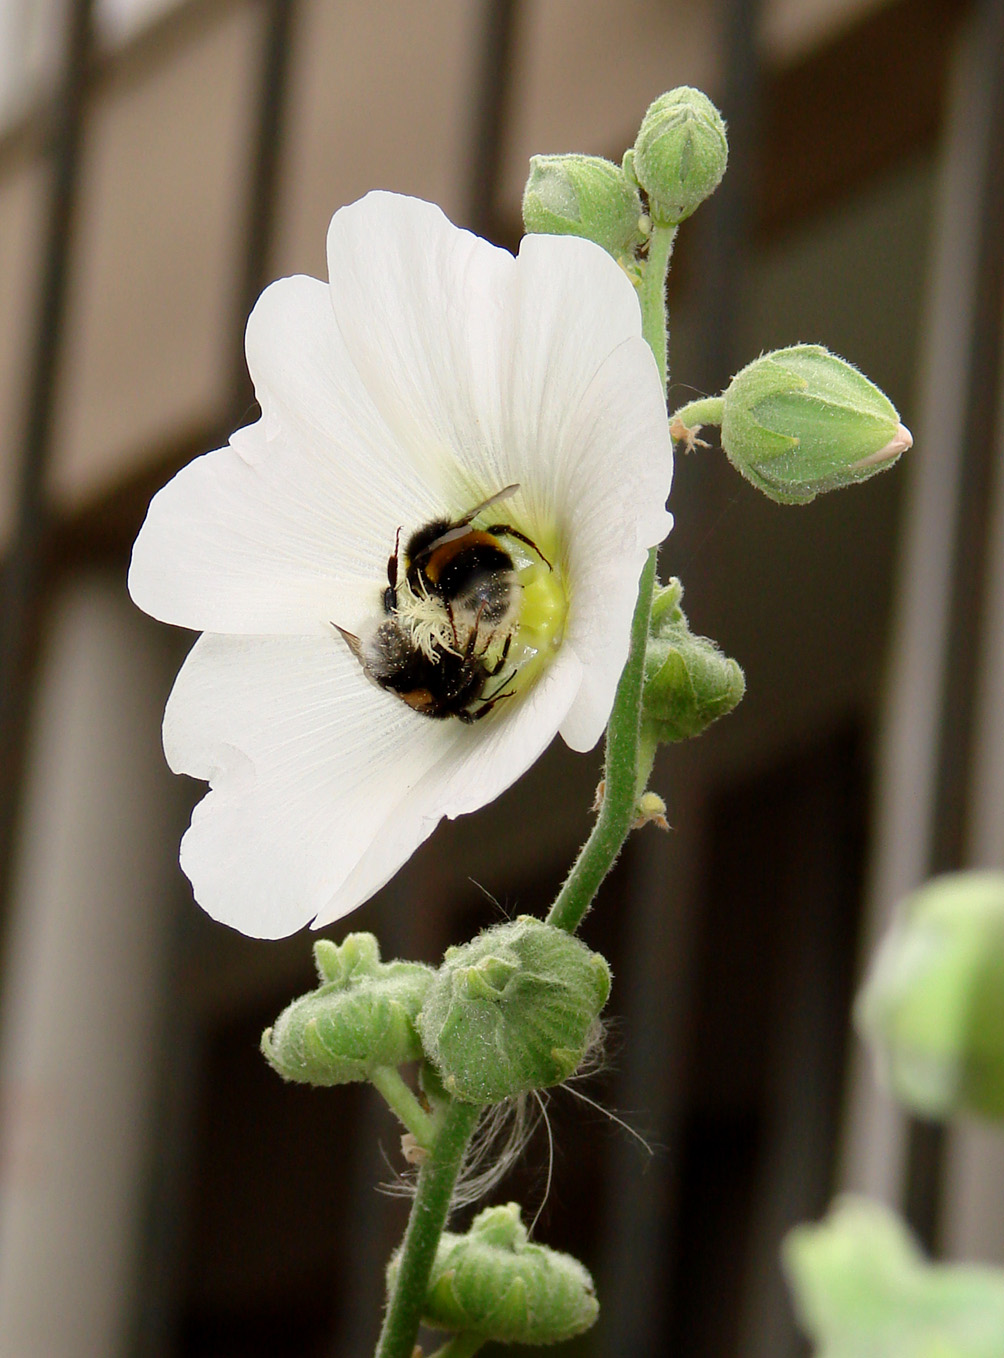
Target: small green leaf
[{"x": 862, "y": 1289}]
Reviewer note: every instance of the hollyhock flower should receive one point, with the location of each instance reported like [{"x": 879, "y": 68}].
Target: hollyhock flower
[{"x": 352, "y": 686}]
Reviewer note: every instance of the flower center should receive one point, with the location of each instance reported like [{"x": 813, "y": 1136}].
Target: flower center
[
  {"x": 471, "y": 616},
  {"x": 540, "y": 618}
]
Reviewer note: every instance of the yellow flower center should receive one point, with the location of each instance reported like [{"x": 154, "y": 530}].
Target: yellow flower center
[{"x": 540, "y": 614}]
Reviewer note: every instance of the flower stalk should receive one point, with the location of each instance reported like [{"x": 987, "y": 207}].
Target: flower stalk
[
  {"x": 617, "y": 815},
  {"x": 620, "y": 797},
  {"x": 696, "y": 414},
  {"x": 652, "y": 295},
  {"x": 436, "y": 1181},
  {"x": 401, "y": 1100},
  {"x": 627, "y": 767}
]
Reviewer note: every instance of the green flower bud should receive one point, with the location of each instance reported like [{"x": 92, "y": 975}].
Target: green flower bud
[
  {"x": 862, "y": 1287},
  {"x": 679, "y": 155},
  {"x": 800, "y": 421},
  {"x": 362, "y": 1015},
  {"x": 583, "y": 196},
  {"x": 493, "y": 1282},
  {"x": 512, "y": 1011},
  {"x": 933, "y": 1003},
  {"x": 689, "y": 683}
]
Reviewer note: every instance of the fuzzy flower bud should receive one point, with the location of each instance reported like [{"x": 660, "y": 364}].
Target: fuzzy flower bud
[
  {"x": 362, "y": 1015},
  {"x": 800, "y": 421},
  {"x": 933, "y": 1004},
  {"x": 862, "y": 1287},
  {"x": 689, "y": 683},
  {"x": 512, "y": 1011},
  {"x": 679, "y": 155},
  {"x": 493, "y": 1282},
  {"x": 582, "y": 196}
]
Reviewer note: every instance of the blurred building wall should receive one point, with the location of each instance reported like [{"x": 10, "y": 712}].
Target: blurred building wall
[{"x": 158, "y": 257}]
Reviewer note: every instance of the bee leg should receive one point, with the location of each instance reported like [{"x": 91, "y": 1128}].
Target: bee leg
[
  {"x": 473, "y": 636},
  {"x": 469, "y": 718},
  {"x": 468, "y": 650},
  {"x": 494, "y": 697},
  {"x": 500, "y": 529},
  {"x": 501, "y": 660},
  {"x": 390, "y": 593}
]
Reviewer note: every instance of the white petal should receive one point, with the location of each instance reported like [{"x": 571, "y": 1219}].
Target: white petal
[
  {"x": 476, "y": 360},
  {"x": 322, "y": 786},
  {"x": 584, "y": 412},
  {"x": 419, "y": 304},
  {"x": 290, "y": 527},
  {"x": 479, "y": 764},
  {"x": 538, "y": 373},
  {"x": 614, "y": 514},
  {"x": 573, "y": 308}
]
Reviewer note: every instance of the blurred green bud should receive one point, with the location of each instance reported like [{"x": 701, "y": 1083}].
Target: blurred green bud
[
  {"x": 688, "y": 683},
  {"x": 800, "y": 421},
  {"x": 362, "y": 1015},
  {"x": 679, "y": 155},
  {"x": 512, "y": 1011},
  {"x": 583, "y": 196},
  {"x": 493, "y": 1282},
  {"x": 933, "y": 1004},
  {"x": 862, "y": 1289}
]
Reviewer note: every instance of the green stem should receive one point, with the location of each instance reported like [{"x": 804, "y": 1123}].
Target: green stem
[
  {"x": 402, "y": 1101},
  {"x": 627, "y": 765},
  {"x": 461, "y": 1346},
  {"x": 652, "y": 294},
  {"x": 648, "y": 744},
  {"x": 707, "y": 410},
  {"x": 429, "y": 1211},
  {"x": 620, "y": 794}
]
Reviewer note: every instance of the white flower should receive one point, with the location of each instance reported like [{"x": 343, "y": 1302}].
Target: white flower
[{"x": 434, "y": 372}]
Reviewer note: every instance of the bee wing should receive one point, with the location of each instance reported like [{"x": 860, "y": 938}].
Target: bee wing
[
  {"x": 506, "y": 493},
  {"x": 457, "y": 529},
  {"x": 463, "y": 526}
]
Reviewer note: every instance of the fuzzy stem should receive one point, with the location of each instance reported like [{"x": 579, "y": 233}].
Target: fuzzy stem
[
  {"x": 695, "y": 414},
  {"x": 627, "y": 766},
  {"x": 402, "y": 1101},
  {"x": 652, "y": 295},
  {"x": 429, "y": 1211},
  {"x": 620, "y": 794},
  {"x": 648, "y": 745}
]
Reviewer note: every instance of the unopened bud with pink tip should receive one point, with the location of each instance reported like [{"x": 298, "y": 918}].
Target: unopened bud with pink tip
[{"x": 800, "y": 421}]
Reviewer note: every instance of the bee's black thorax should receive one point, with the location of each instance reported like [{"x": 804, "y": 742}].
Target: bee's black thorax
[{"x": 473, "y": 574}]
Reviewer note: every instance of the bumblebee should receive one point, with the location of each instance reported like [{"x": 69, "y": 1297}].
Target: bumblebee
[{"x": 450, "y": 616}]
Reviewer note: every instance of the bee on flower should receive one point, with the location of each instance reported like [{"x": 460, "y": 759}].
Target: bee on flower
[{"x": 417, "y": 566}]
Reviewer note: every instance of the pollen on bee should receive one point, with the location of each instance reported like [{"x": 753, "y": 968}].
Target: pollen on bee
[{"x": 428, "y": 623}]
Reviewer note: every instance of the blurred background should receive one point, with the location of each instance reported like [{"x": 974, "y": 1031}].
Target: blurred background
[{"x": 161, "y": 1192}]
